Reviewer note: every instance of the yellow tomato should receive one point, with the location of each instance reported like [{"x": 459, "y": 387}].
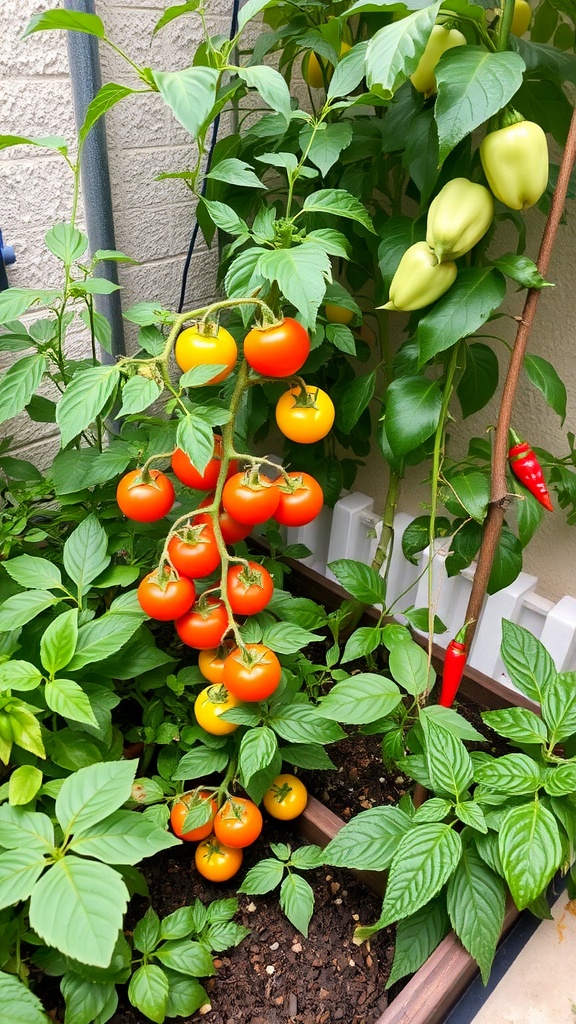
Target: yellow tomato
[
  {"x": 338, "y": 314},
  {"x": 206, "y": 344},
  {"x": 317, "y": 72}
]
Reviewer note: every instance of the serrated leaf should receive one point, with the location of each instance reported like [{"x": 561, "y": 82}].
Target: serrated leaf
[
  {"x": 257, "y": 749},
  {"x": 530, "y": 850},
  {"x": 518, "y": 724},
  {"x": 90, "y": 900},
  {"x": 19, "y": 675},
  {"x": 340, "y": 203},
  {"x": 30, "y": 571},
  {"x": 470, "y": 813},
  {"x": 263, "y": 877},
  {"x": 416, "y": 938},
  {"x": 104, "y": 636},
  {"x": 301, "y": 723},
  {"x": 394, "y": 51},
  {"x": 468, "y": 304},
  {"x": 18, "y": 385},
  {"x": 512, "y": 773},
  {"x": 187, "y": 957},
  {"x": 93, "y": 793},
  {"x": 448, "y": 761},
  {"x": 476, "y": 902},
  {"x": 19, "y": 872},
  {"x": 424, "y": 860},
  {"x": 408, "y": 663},
  {"x": 306, "y": 755},
  {"x": 84, "y": 399},
  {"x": 301, "y": 274},
  {"x": 361, "y": 581},
  {"x": 190, "y": 94},
  {"x": 561, "y": 780},
  {"x": 526, "y": 660},
  {"x": 137, "y": 395},
  {"x": 297, "y": 901},
  {"x": 455, "y": 723},
  {"x": 369, "y": 840},
  {"x": 200, "y": 761},
  {"x": 67, "y": 698},
  {"x": 18, "y": 1005},
  {"x": 148, "y": 991},
  {"x": 360, "y": 699}
]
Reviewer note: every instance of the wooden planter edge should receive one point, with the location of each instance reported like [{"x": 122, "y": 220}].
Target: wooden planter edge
[{"x": 438, "y": 984}]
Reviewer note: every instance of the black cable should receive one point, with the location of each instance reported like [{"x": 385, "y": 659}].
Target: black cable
[{"x": 213, "y": 140}]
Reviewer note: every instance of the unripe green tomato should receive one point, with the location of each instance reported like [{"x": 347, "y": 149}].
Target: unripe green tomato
[
  {"x": 420, "y": 279},
  {"x": 439, "y": 40},
  {"x": 521, "y": 18},
  {"x": 458, "y": 218},
  {"x": 338, "y": 314},
  {"x": 515, "y": 162}
]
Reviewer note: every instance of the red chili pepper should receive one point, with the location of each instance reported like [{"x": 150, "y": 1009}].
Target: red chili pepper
[
  {"x": 526, "y": 468},
  {"x": 454, "y": 664}
]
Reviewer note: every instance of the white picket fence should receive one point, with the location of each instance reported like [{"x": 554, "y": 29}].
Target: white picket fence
[{"x": 351, "y": 530}]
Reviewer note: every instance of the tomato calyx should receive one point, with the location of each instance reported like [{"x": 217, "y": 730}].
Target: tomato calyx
[
  {"x": 249, "y": 576},
  {"x": 291, "y": 483},
  {"x": 209, "y": 328},
  {"x": 217, "y": 693},
  {"x": 146, "y": 476},
  {"x": 249, "y": 656},
  {"x": 193, "y": 533},
  {"x": 163, "y": 575},
  {"x": 305, "y": 399},
  {"x": 281, "y": 792}
]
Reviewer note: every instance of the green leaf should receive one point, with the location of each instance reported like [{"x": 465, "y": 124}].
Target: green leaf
[
  {"x": 543, "y": 376},
  {"x": 351, "y": 403},
  {"x": 93, "y": 793},
  {"x": 416, "y": 938},
  {"x": 257, "y": 749},
  {"x": 286, "y": 638},
  {"x": 413, "y": 406},
  {"x": 235, "y": 172},
  {"x": 424, "y": 860},
  {"x": 84, "y": 399},
  {"x": 86, "y": 1000},
  {"x": 18, "y": 385},
  {"x": 394, "y": 51},
  {"x": 178, "y": 925},
  {"x": 17, "y": 610},
  {"x": 473, "y": 84},
  {"x": 301, "y": 274},
  {"x": 471, "y": 813},
  {"x": 137, "y": 394},
  {"x": 66, "y": 242},
  {"x": 448, "y": 761},
  {"x": 455, "y": 723},
  {"x": 469, "y": 303},
  {"x": 58, "y": 642},
  {"x": 91, "y": 899},
  {"x": 369, "y": 840},
  {"x": 225, "y": 217},
  {"x": 340, "y": 203},
  {"x": 301, "y": 723},
  {"x": 196, "y": 438},
  {"x": 521, "y": 269},
  {"x": 306, "y": 755},
  {"x": 361, "y": 642},
  {"x": 360, "y": 699},
  {"x": 169, "y": 15},
  {"x": 200, "y": 761},
  {"x": 24, "y": 784},
  {"x": 479, "y": 379},
  {"x": 185, "y": 995},
  {"x": 348, "y": 73},
  {"x": 529, "y": 513},
  {"x": 72, "y": 21},
  {"x": 190, "y": 94},
  {"x": 416, "y": 536},
  {"x": 263, "y": 877},
  {"x": 75, "y": 469},
  {"x": 361, "y": 581},
  {"x": 19, "y": 873},
  {"x": 476, "y": 902},
  {"x": 27, "y": 829},
  {"x": 559, "y": 706},
  {"x": 19, "y": 675},
  {"x": 333, "y": 242},
  {"x": 67, "y": 698},
  {"x": 15, "y": 301},
  {"x": 105, "y": 98},
  {"x": 511, "y": 773},
  {"x": 471, "y": 489},
  {"x": 328, "y": 142},
  {"x": 530, "y": 850},
  {"x": 517, "y": 724},
  {"x": 526, "y": 660},
  {"x": 148, "y": 991},
  {"x": 507, "y": 564},
  {"x": 297, "y": 901},
  {"x": 30, "y": 571},
  {"x": 18, "y": 1005},
  {"x": 225, "y": 935},
  {"x": 408, "y": 664},
  {"x": 561, "y": 780},
  {"x": 104, "y": 636},
  {"x": 186, "y": 957},
  {"x": 271, "y": 87}
]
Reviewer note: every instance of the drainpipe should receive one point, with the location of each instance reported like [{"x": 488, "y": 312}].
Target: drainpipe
[{"x": 86, "y": 80}]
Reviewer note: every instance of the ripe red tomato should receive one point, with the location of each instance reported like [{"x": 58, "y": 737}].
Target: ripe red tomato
[
  {"x": 187, "y": 473},
  {"x": 286, "y": 798},
  {"x": 193, "y": 551},
  {"x": 231, "y": 530},
  {"x": 205, "y": 344},
  {"x": 250, "y": 502},
  {"x": 253, "y": 673},
  {"x": 300, "y": 502},
  {"x": 249, "y": 588},
  {"x": 204, "y": 626},
  {"x": 145, "y": 500},
  {"x": 211, "y": 661},
  {"x": 164, "y": 597},
  {"x": 215, "y": 861},
  {"x": 277, "y": 351},
  {"x": 209, "y": 705},
  {"x": 305, "y": 419},
  {"x": 180, "y": 809},
  {"x": 238, "y": 823}
]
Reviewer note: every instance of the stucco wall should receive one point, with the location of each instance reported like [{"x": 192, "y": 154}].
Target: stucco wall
[{"x": 153, "y": 222}]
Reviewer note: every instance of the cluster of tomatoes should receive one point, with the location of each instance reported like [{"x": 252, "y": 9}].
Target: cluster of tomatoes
[{"x": 235, "y": 825}]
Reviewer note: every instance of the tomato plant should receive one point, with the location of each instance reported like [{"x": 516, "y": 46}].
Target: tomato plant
[
  {"x": 211, "y": 661},
  {"x": 205, "y": 625},
  {"x": 145, "y": 495},
  {"x": 182, "y": 807},
  {"x": 215, "y": 861},
  {"x": 305, "y": 416},
  {"x": 286, "y": 798},
  {"x": 232, "y": 531},
  {"x": 163, "y": 596},
  {"x": 206, "y": 345},
  {"x": 187, "y": 473},
  {"x": 210, "y": 704},
  {"x": 300, "y": 500},
  {"x": 277, "y": 351},
  {"x": 250, "y": 498},
  {"x": 252, "y": 673},
  {"x": 193, "y": 551},
  {"x": 249, "y": 588},
  {"x": 238, "y": 823}
]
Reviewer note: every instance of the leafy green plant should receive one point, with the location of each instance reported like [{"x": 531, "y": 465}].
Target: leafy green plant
[{"x": 296, "y": 894}]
